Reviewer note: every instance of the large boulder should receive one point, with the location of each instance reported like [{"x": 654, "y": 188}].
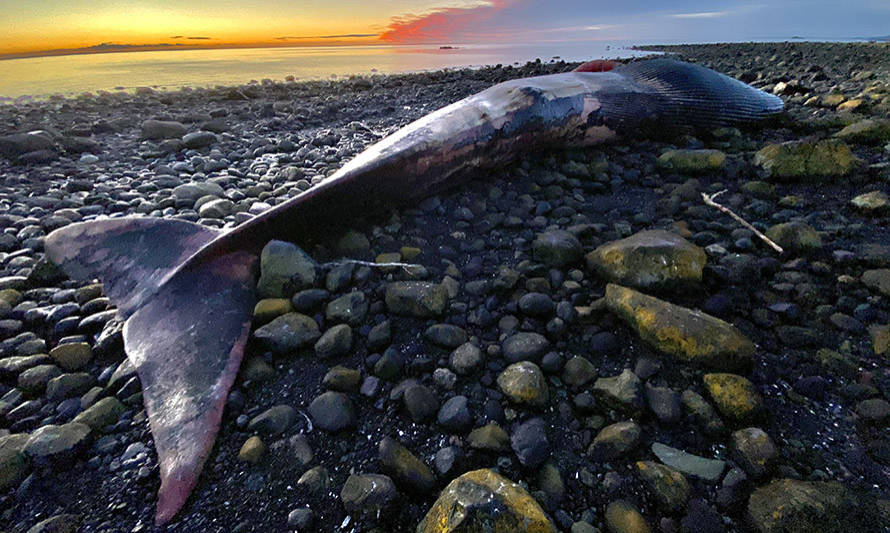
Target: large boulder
[
  {"x": 866, "y": 131},
  {"x": 689, "y": 335},
  {"x": 22, "y": 143},
  {"x": 654, "y": 259},
  {"x": 162, "y": 129},
  {"x": 806, "y": 159},
  {"x": 284, "y": 269},
  {"x": 482, "y": 500},
  {"x": 793, "y": 506}
]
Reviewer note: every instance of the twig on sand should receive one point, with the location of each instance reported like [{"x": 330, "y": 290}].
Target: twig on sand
[{"x": 709, "y": 200}]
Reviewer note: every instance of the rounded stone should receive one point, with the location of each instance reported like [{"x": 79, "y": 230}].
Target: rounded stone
[
  {"x": 454, "y": 415},
  {"x": 332, "y": 411},
  {"x": 524, "y": 383},
  {"x": 52, "y": 444},
  {"x": 754, "y": 451},
  {"x": 72, "y": 356},
  {"x": 335, "y": 342},
  {"x": 734, "y": 396},
  {"x": 252, "y": 450},
  {"x": 557, "y": 248},
  {"x": 465, "y": 359},
  {"x": 615, "y": 440},
  {"x": 525, "y": 346},
  {"x": 367, "y": 493},
  {"x": 482, "y": 500}
]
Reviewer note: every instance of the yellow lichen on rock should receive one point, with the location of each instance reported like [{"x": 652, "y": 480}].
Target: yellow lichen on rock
[
  {"x": 689, "y": 335},
  {"x": 734, "y": 395},
  {"x": 482, "y": 500}
]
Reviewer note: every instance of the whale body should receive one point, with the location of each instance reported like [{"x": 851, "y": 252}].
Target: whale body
[{"x": 187, "y": 291}]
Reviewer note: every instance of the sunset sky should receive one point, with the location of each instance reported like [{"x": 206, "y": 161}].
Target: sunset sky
[{"x": 109, "y": 25}]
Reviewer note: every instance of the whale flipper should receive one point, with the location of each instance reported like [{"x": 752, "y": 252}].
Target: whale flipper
[{"x": 185, "y": 335}]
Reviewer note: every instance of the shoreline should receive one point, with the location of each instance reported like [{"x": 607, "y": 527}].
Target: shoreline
[{"x": 608, "y": 400}]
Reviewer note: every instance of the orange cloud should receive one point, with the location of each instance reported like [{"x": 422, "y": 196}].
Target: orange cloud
[{"x": 441, "y": 24}]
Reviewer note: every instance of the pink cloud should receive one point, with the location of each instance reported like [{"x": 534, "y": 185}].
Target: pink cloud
[{"x": 441, "y": 24}]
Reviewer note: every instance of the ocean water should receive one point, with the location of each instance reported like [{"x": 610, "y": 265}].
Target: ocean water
[{"x": 25, "y": 79}]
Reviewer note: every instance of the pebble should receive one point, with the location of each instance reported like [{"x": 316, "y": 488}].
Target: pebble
[
  {"x": 454, "y": 415},
  {"x": 406, "y": 469},
  {"x": 754, "y": 451},
  {"x": 623, "y": 392},
  {"x": 692, "y": 465},
  {"x": 335, "y": 342},
  {"x": 332, "y": 411},
  {"x": 524, "y": 383},
  {"x": 734, "y": 395},
  {"x": 525, "y": 346},
  {"x": 57, "y": 445},
  {"x": 530, "y": 444},
  {"x": 273, "y": 420},
  {"x": 615, "y": 440},
  {"x": 367, "y": 493}
]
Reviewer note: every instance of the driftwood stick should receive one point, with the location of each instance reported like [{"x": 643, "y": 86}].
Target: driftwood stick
[
  {"x": 709, "y": 200},
  {"x": 370, "y": 264}
]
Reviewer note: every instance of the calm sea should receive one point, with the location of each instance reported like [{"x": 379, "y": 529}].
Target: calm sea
[{"x": 24, "y": 79}]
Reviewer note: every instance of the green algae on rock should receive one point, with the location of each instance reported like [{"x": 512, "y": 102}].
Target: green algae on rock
[
  {"x": 689, "y": 335},
  {"x": 793, "y": 506},
  {"x": 482, "y": 500},
  {"x": 804, "y": 159},
  {"x": 795, "y": 236},
  {"x": 693, "y": 161}
]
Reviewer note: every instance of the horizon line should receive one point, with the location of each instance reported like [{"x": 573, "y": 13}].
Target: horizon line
[{"x": 162, "y": 47}]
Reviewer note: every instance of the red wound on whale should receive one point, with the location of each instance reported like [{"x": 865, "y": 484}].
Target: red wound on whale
[{"x": 597, "y": 65}]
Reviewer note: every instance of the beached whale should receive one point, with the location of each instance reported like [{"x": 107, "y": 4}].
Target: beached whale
[{"x": 187, "y": 291}]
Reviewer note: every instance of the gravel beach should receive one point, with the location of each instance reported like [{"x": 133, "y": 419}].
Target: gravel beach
[{"x": 581, "y": 344}]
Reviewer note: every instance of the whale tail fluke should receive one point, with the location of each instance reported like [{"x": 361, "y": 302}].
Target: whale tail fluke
[
  {"x": 700, "y": 97},
  {"x": 187, "y": 326}
]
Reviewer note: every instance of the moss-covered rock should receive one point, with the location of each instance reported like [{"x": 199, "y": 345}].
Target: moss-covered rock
[
  {"x": 874, "y": 202},
  {"x": 269, "y": 309},
  {"x": 670, "y": 488},
  {"x": 793, "y": 506},
  {"x": 105, "y": 412},
  {"x": 482, "y": 500},
  {"x": 14, "y": 463},
  {"x": 880, "y": 338},
  {"x": 795, "y": 236},
  {"x": 693, "y": 161},
  {"x": 806, "y": 160},
  {"x": 416, "y": 298},
  {"x": 557, "y": 248},
  {"x": 735, "y": 396},
  {"x": 623, "y": 517},
  {"x": 866, "y": 131},
  {"x": 689, "y": 335},
  {"x": 878, "y": 280},
  {"x": 284, "y": 269},
  {"x": 654, "y": 259},
  {"x": 252, "y": 450}
]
